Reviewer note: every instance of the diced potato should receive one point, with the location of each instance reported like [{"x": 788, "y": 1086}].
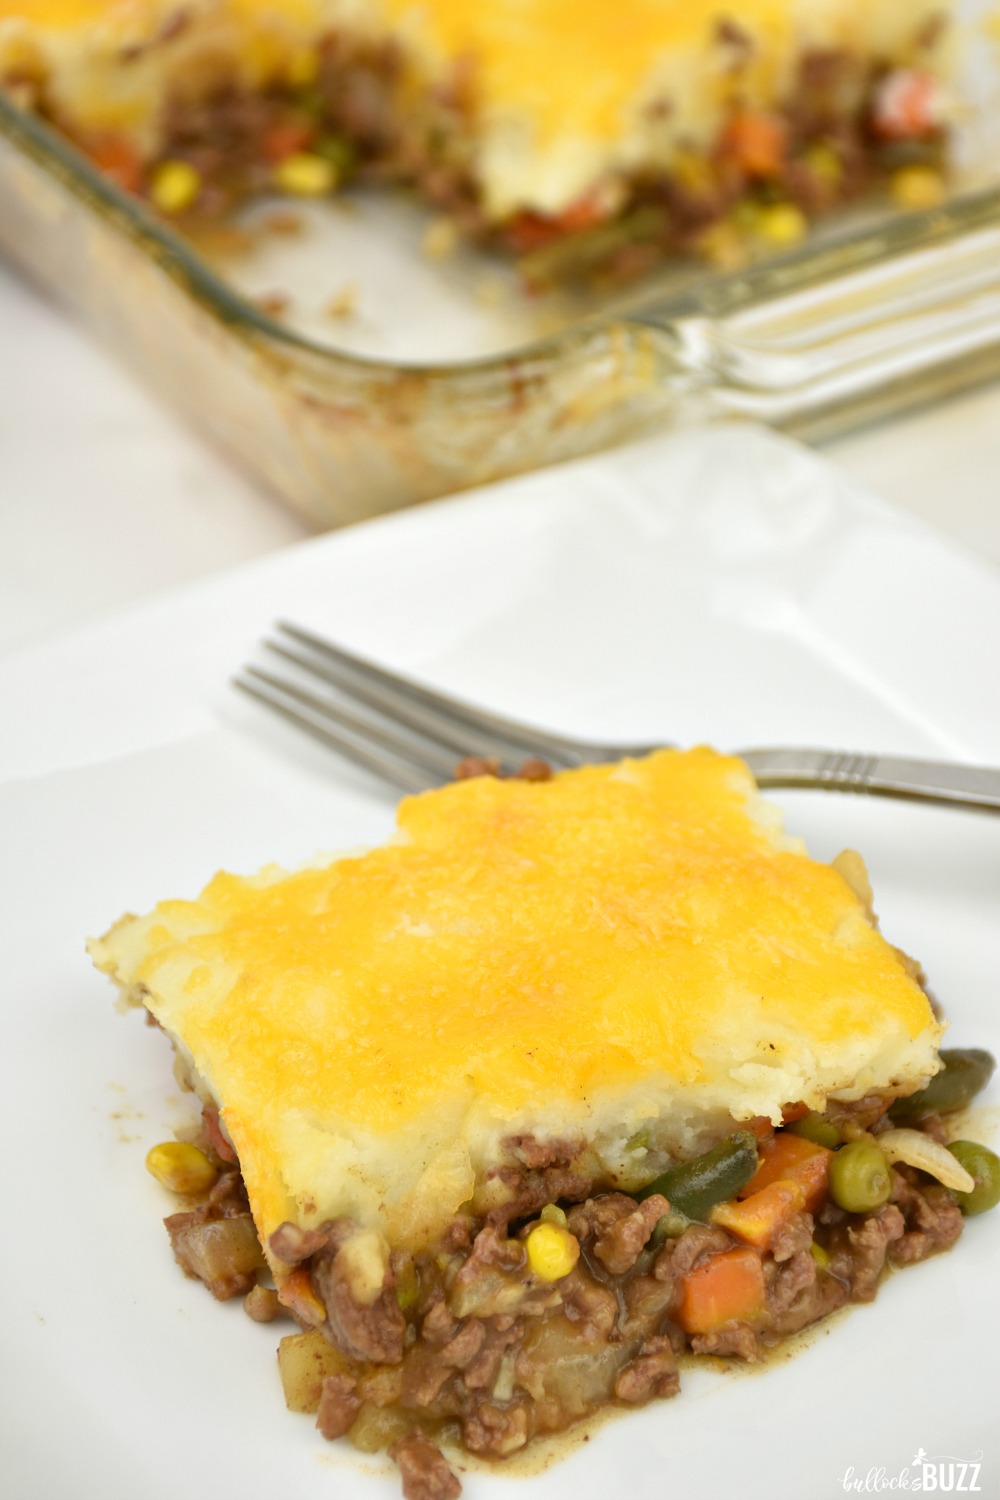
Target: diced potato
[
  {"x": 376, "y": 1428},
  {"x": 382, "y": 1384},
  {"x": 577, "y": 1373},
  {"x": 224, "y": 1253},
  {"x": 304, "y": 1361},
  {"x": 486, "y": 1292}
]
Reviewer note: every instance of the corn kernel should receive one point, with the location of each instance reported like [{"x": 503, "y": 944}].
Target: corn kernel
[
  {"x": 693, "y": 173},
  {"x": 305, "y": 175},
  {"x": 917, "y": 187},
  {"x": 343, "y": 304},
  {"x": 175, "y": 186},
  {"x": 552, "y": 1251},
  {"x": 181, "y": 1168},
  {"x": 303, "y": 67},
  {"x": 825, "y": 165},
  {"x": 781, "y": 224},
  {"x": 820, "y": 1256},
  {"x": 722, "y": 246},
  {"x": 440, "y": 240},
  {"x": 490, "y": 291}
]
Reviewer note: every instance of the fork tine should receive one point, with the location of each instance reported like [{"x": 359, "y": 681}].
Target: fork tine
[
  {"x": 400, "y": 762},
  {"x": 432, "y": 712},
  {"x": 457, "y": 740},
  {"x": 437, "y": 761}
]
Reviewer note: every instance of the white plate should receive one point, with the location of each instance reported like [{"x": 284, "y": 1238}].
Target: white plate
[{"x": 724, "y": 586}]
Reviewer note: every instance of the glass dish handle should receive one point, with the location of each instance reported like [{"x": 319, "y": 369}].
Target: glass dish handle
[{"x": 855, "y": 345}]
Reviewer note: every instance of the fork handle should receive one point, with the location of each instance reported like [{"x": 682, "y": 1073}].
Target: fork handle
[{"x": 885, "y": 775}]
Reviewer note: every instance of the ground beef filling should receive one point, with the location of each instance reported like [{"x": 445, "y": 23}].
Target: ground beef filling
[
  {"x": 471, "y": 1346},
  {"x": 841, "y": 131}
]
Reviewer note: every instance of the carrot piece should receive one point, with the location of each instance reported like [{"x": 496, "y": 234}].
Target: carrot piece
[
  {"x": 756, "y": 143},
  {"x": 286, "y": 138},
  {"x": 727, "y": 1286},
  {"x": 760, "y": 1126},
  {"x": 583, "y": 213},
  {"x": 119, "y": 158},
  {"x": 758, "y": 1218},
  {"x": 295, "y": 1291},
  {"x": 908, "y": 105},
  {"x": 793, "y": 1112},
  {"x": 792, "y": 1158},
  {"x": 528, "y": 231},
  {"x": 213, "y": 1131}
]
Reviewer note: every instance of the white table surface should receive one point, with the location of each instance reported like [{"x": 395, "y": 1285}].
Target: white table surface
[{"x": 106, "y": 497}]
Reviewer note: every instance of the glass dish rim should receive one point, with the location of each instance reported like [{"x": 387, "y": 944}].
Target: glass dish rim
[{"x": 717, "y": 294}]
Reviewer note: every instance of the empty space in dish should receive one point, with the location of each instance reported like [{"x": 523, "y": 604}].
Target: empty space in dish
[{"x": 361, "y": 273}]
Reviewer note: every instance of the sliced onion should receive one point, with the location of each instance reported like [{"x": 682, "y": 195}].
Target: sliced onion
[{"x": 919, "y": 1150}]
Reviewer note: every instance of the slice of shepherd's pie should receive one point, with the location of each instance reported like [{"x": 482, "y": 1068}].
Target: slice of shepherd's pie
[
  {"x": 583, "y": 138},
  {"x": 569, "y": 1076}
]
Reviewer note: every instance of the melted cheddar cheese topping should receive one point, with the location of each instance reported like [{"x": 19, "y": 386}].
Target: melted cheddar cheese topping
[
  {"x": 522, "y": 939},
  {"x": 575, "y": 66},
  {"x": 70, "y": 13},
  {"x": 58, "y": 12}
]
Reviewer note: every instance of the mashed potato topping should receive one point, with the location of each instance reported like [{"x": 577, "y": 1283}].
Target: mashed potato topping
[{"x": 623, "y": 952}]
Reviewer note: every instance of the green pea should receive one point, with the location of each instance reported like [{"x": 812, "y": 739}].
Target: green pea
[
  {"x": 966, "y": 1071},
  {"x": 670, "y": 1227},
  {"x": 815, "y": 1128},
  {"x": 694, "y": 1187},
  {"x": 984, "y": 1165},
  {"x": 860, "y": 1179}
]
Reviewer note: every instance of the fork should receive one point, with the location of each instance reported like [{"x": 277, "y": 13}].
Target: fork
[{"x": 415, "y": 738}]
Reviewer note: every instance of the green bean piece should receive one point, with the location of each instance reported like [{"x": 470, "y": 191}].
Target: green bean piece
[
  {"x": 860, "y": 1179},
  {"x": 820, "y": 1256},
  {"x": 984, "y": 1165},
  {"x": 574, "y": 254},
  {"x": 694, "y": 1187},
  {"x": 339, "y": 151},
  {"x": 815, "y": 1128},
  {"x": 407, "y": 1285},
  {"x": 966, "y": 1070}
]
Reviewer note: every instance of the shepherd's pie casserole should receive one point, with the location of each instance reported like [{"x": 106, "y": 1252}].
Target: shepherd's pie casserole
[
  {"x": 568, "y": 1076},
  {"x": 583, "y": 137}
]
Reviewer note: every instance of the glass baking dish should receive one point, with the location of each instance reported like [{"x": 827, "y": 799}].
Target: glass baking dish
[{"x": 874, "y": 314}]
